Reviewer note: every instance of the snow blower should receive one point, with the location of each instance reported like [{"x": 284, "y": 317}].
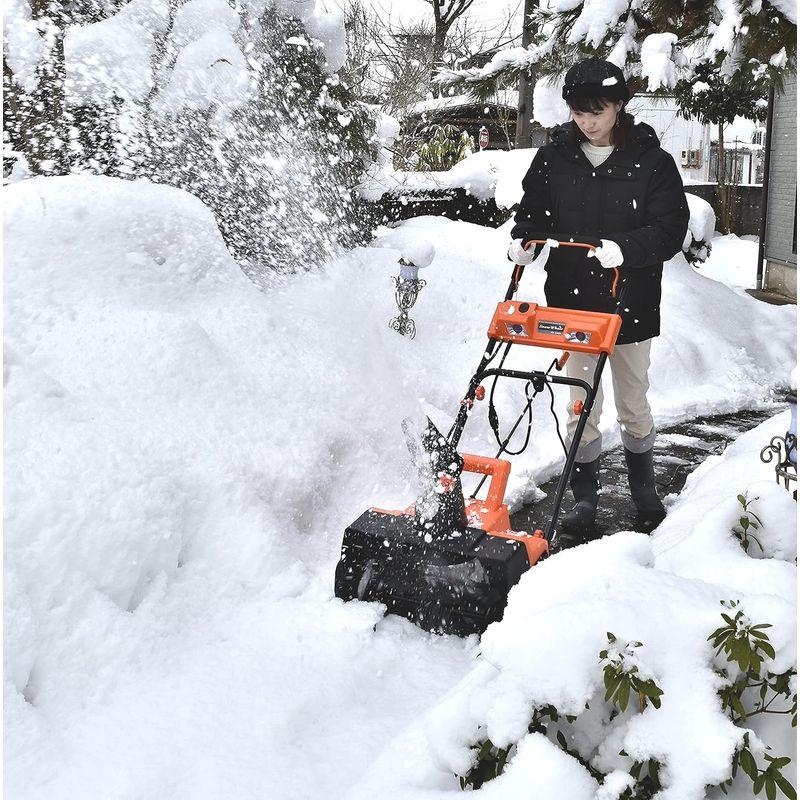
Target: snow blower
[{"x": 447, "y": 563}]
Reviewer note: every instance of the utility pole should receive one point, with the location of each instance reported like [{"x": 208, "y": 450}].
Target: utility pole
[{"x": 524, "y": 135}]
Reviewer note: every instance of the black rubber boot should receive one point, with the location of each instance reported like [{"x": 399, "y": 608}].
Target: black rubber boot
[
  {"x": 584, "y": 482},
  {"x": 642, "y": 480}
]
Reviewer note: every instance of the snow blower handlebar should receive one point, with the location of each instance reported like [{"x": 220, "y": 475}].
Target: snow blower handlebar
[{"x": 560, "y": 240}]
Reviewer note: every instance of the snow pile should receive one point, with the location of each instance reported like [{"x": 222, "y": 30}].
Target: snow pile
[
  {"x": 183, "y": 452},
  {"x": 171, "y": 432},
  {"x": 735, "y": 260},
  {"x": 664, "y": 592}
]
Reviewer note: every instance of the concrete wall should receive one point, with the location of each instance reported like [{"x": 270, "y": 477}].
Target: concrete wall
[
  {"x": 780, "y": 248},
  {"x": 746, "y": 212}
]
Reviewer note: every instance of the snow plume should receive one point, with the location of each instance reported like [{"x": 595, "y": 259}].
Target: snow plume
[
  {"x": 23, "y": 47},
  {"x": 269, "y": 140},
  {"x": 241, "y": 108}
]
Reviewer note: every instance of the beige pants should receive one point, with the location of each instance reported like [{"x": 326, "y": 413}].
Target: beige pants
[{"x": 629, "y": 364}]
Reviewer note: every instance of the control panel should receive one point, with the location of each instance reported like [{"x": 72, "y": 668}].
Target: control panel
[{"x": 558, "y": 328}]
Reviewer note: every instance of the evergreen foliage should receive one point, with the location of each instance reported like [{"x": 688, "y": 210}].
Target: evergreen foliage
[
  {"x": 748, "y": 522},
  {"x": 759, "y": 32},
  {"x": 745, "y": 647},
  {"x": 443, "y": 148}
]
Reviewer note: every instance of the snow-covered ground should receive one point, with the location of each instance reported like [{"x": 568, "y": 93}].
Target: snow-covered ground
[
  {"x": 183, "y": 452},
  {"x": 734, "y": 261}
]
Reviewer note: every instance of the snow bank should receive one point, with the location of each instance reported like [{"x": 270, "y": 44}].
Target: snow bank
[
  {"x": 734, "y": 260},
  {"x": 181, "y": 458},
  {"x": 183, "y": 453},
  {"x": 664, "y": 592}
]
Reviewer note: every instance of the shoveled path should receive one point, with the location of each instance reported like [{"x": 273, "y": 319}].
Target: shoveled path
[{"x": 679, "y": 450}]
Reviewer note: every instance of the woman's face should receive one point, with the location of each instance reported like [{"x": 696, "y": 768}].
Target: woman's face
[{"x": 597, "y": 125}]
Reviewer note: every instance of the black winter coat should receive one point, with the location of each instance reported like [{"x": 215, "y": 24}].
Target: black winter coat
[{"x": 635, "y": 198}]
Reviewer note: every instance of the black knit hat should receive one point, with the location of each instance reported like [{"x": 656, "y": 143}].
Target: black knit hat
[{"x": 593, "y": 77}]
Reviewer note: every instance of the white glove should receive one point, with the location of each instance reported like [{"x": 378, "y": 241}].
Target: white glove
[
  {"x": 609, "y": 255},
  {"x": 519, "y": 255}
]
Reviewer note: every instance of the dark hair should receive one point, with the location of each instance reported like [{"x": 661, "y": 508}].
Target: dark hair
[{"x": 620, "y": 133}]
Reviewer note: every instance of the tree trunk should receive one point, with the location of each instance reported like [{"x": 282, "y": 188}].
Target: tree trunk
[
  {"x": 524, "y": 134},
  {"x": 723, "y": 189},
  {"x": 439, "y": 39}
]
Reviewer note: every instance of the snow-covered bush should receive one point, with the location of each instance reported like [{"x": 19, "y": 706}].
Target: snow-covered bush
[
  {"x": 498, "y": 174},
  {"x": 702, "y": 221},
  {"x": 746, "y": 689}
]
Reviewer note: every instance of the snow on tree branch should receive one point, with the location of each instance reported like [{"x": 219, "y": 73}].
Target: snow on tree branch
[{"x": 658, "y": 45}]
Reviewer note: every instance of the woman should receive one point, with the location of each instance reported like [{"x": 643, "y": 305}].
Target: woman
[{"x": 602, "y": 176}]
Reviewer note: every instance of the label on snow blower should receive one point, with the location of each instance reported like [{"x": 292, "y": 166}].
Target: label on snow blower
[{"x": 553, "y": 328}]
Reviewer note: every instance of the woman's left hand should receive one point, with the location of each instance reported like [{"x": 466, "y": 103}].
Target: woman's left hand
[{"x": 609, "y": 255}]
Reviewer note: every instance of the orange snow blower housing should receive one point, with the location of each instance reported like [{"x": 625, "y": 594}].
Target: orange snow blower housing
[{"x": 451, "y": 571}]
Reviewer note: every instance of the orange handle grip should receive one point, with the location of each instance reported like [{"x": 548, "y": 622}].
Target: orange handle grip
[
  {"x": 585, "y": 247},
  {"x": 561, "y": 244},
  {"x": 498, "y": 469}
]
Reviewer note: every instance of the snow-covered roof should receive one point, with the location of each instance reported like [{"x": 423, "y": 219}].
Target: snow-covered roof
[{"x": 505, "y": 97}]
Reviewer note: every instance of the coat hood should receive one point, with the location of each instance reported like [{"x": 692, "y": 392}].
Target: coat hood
[{"x": 641, "y": 134}]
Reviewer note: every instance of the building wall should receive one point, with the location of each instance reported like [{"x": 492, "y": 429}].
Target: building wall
[
  {"x": 780, "y": 247},
  {"x": 674, "y": 132}
]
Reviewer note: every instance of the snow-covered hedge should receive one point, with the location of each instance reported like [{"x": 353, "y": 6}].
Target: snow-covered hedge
[{"x": 497, "y": 175}]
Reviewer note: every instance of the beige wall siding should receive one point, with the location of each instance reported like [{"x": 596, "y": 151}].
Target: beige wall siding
[{"x": 782, "y": 200}]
